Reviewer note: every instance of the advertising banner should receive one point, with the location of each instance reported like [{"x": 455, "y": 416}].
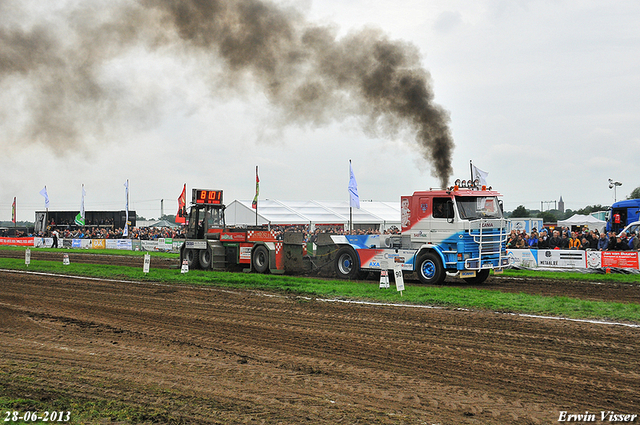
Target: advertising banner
[
  {"x": 149, "y": 245},
  {"x": 625, "y": 259},
  {"x": 124, "y": 244},
  {"x": 98, "y": 244},
  {"x": 572, "y": 259},
  {"x": 17, "y": 241},
  {"x": 523, "y": 257}
]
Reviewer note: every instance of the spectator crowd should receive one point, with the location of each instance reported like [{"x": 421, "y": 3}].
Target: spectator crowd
[
  {"x": 546, "y": 238},
  {"x": 564, "y": 238}
]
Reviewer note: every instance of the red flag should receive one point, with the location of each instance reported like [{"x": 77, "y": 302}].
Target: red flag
[
  {"x": 254, "y": 204},
  {"x": 181, "y": 217},
  {"x": 13, "y": 211}
]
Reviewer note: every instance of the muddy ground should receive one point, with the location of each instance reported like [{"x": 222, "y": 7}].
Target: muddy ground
[{"x": 231, "y": 356}]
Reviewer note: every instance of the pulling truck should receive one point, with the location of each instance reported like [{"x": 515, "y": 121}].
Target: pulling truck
[{"x": 458, "y": 231}]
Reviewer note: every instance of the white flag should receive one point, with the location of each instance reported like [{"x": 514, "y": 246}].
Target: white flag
[
  {"x": 353, "y": 189},
  {"x": 480, "y": 175},
  {"x": 43, "y": 192}
]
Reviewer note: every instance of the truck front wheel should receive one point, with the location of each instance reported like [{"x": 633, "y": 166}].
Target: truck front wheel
[
  {"x": 260, "y": 259},
  {"x": 347, "y": 263},
  {"x": 430, "y": 269}
]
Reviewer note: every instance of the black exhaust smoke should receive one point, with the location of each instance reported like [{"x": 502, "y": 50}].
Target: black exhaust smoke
[{"x": 305, "y": 70}]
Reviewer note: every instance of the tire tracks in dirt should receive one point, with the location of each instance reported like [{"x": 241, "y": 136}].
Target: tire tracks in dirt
[{"x": 237, "y": 356}]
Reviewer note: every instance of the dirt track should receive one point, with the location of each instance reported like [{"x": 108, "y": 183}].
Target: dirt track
[{"x": 220, "y": 356}]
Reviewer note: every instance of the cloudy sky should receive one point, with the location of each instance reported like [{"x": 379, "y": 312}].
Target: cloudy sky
[{"x": 543, "y": 95}]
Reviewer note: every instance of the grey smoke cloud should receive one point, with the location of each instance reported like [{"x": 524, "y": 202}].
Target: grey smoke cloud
[{"x": 307, "y": 72}]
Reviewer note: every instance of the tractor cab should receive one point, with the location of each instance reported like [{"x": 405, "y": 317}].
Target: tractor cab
[
  {"x": 206, "y": 215},
  {"x": 203, "y": 219}
]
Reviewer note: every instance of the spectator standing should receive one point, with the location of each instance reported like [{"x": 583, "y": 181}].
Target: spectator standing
[
  {"x": 533, "y": 240},
  {"x": 634, "y": 243},
  {"x": 555, "y": 241},
  {"x": 543, "y": 240},
  {"x": 603, "y": 242},
  {"x": 574, "y": 242},
  {"x": 564, "y": 242},
  {"x": 54, "y": 234}
]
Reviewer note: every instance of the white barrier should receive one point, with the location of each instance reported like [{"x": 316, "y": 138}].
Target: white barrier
[
  {"x": 162, "y": 244},
  {"x": 573, "y": 259}
]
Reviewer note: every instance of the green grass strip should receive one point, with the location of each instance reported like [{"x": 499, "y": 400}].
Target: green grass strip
[
  {"x": 446, "y": 296},
  {"x": 80, "y": 411}
]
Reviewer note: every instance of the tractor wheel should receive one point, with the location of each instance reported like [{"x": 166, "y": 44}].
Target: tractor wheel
[
  {"x": 347, "y": 264},
  {"x": 205, "y": 259},
  {"x": 430, "y": 269},
  {"x": 192, "y": 258},
  {"x": 260, "y": 259}
]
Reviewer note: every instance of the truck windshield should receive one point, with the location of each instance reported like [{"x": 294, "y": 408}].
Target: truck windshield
[{"x": 471, "y": 208}]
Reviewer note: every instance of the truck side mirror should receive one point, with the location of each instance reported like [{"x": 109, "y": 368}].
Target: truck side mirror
[{"x": 450, "y": 212}]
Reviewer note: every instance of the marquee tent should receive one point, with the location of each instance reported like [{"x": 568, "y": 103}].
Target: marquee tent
[
  {"x": 372, "y": 214},
  {"x": 583, "y": 220}
]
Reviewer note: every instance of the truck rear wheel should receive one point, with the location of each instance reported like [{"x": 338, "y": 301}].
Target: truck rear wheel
[
  {"x": 191, "y": 255},
  {"x": 480, "y": 277},
  {"x": 430, "y": 269},
  {"x": 347, "y": 264},
  {"x": 260, "y": 259}
]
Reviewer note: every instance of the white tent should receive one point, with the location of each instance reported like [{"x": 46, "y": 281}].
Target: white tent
[
  {"x": 583, "y": 220},
  {"x": 382, "y": 215}
]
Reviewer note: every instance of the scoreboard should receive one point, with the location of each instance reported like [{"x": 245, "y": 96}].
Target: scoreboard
[{"x": 206, "y": 197}]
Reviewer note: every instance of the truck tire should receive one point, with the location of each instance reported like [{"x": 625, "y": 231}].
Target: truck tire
[
  {"x": 480, "y": 277},
  {"x": 260, "y": 259},
  {"x": 205, "y": 259},
  {"x": 191, "y": 255},
  {"x": 430, "y": 270},
  {"x": 347, "y": 264}
]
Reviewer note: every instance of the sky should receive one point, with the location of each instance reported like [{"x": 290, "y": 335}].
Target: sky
[{"x": 542, "y": 95}]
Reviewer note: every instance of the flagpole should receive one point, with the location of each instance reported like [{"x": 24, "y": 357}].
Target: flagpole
[
  {"x": 350, "y": 207},
  {"x": 257, "y": 190},
  {"x": 46, "y": 207},
  {"x": 471, "y": 168}
]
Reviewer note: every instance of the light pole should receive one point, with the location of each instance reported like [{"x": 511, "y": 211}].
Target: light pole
[{"x": 613, "y": 185}]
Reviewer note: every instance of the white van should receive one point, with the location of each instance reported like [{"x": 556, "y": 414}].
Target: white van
[{"x": 633, "y": 227}]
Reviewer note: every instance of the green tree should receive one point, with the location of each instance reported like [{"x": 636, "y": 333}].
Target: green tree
[
  {"x": 520, "y": 212},
  {"x": 635, "y": 194},
  {"x": 547, "y": 217},
  {"x": 168, "y": 217}
]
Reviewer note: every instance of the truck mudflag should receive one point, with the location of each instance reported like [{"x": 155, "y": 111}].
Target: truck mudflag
[
  {"x": 254, "y": 204},
  {"x": 79, "y": 220},
  {"x": 354, "y": 199},
  {"x": 181, "y": 216}
]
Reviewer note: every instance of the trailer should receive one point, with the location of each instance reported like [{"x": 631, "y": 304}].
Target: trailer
[{"x": 458, "y": 231}]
